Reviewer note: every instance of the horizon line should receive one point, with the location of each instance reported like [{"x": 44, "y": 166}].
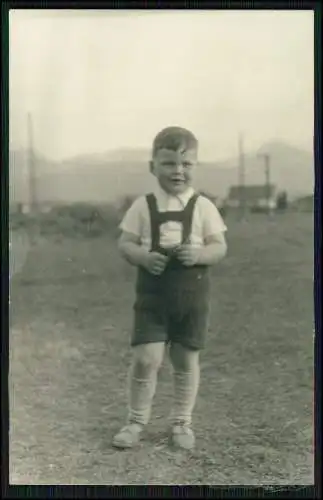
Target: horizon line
[{"x": 76, "y": 156}]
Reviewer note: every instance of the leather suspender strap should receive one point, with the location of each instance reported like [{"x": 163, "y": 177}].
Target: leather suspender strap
[
  {"x": 188, "y": 218},
  {"x": 154, "y": 223},
  {"x": 156, "y": 218}
]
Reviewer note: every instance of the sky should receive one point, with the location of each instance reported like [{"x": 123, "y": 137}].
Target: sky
[{"x": 95, "y": 81}]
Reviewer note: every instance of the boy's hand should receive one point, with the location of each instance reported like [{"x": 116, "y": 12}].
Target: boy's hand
[
  {"x": 188, "y": 255},
  {"x": 156, "y": 263}
]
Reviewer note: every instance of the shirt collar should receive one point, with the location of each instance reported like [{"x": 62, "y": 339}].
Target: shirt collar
[{"x": 183, "y": 197}]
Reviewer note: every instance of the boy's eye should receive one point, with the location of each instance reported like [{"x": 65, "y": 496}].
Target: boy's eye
[
  {"x": 173, "y": 164},
  {"x": 169, "y": 164}
]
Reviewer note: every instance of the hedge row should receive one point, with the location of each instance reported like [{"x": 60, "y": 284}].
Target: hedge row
[{"x": 78, "y": 218}]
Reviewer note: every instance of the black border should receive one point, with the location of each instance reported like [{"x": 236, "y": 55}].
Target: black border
[
  {"x": 4, "y": 246},
  {"x": 266, "y": 491},
  {"x": 318, "y": 245}
]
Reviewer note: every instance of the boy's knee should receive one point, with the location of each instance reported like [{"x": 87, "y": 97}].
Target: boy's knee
[
  {"x": 148, "y": 358},
  {"x": 183, "y": 359}
]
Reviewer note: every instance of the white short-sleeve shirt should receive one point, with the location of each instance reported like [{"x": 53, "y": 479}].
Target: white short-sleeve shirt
[{"x": 206, "y": 221}]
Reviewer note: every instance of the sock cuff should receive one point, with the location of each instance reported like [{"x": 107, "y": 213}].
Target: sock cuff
[
  {"x": 144, "y": 380},
  {"x": 181, "y": 374}
]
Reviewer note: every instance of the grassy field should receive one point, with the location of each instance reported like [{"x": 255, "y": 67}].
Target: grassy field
[{"x": 69, "y": 353}]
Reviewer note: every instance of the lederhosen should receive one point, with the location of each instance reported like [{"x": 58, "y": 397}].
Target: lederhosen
[{"x": 174, "y": 306}]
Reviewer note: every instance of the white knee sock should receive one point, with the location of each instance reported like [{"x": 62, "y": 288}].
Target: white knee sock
[
  {"x": 186, "y": 386},
  {"x": 143, "y": 379},
  {"x": 142, "y": 392}
]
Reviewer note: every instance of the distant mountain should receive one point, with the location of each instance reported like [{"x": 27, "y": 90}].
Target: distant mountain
[
  {"x": 130, "y": 155},
  {"x": 291, "y": 169},
  {"x": 108, "y": 176}
]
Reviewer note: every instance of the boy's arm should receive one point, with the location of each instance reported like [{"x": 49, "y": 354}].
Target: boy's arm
[
  {"x": 214, "y": 230},
  {"x": 135, "y": 254},
  {"x": 214, "y": 250},
  {"x": 131, "y": 250},
  {"x": 130, "y": 239},
  {"x": 215, "y": 247}
]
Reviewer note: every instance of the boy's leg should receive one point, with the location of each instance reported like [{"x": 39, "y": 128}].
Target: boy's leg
[
  {"x": 186, "y": 368},
  {"x": 147, "y": 359},
  {"x": 186, "y": 382}
]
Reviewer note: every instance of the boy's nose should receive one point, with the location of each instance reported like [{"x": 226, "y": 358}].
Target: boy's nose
[{"x": 179, "y": 167}]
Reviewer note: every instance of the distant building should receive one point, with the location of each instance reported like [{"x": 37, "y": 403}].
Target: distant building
[
  {"x": 254, "y": 197},
  {"x": 217, "y": 201},
  {"x": 304, "y": 204}
]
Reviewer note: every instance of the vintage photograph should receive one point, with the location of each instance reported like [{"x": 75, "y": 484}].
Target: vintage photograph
[{"x": 161, "y": 234}]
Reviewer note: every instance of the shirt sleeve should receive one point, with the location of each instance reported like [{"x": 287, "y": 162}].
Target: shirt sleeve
[
  {"x": 212, "y": 221},
  {"x": 132, "y": 221}
]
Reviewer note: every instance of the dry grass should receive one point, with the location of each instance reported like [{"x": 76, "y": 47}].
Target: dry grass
[{"x": 70, "y": 321}]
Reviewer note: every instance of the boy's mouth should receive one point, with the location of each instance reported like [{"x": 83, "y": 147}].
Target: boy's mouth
[{"x": 177, "y": 182}]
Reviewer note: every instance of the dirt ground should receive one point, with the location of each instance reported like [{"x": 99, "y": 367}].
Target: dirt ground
[{"x": 71, "y": 314}]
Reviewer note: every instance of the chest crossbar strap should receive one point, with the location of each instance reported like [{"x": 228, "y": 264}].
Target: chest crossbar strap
[{"x": 157, "y": 218}]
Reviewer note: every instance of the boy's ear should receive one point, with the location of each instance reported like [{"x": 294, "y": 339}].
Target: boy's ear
[{"x": 151, "y": 167}]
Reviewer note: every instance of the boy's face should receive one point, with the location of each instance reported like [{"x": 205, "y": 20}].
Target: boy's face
[{"x": 174, "y": 169}]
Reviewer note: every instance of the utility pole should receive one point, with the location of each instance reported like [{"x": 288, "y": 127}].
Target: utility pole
[
  {"x": 31, "y": 168},
  {"x": 266, "y": 158},
  {"x": 33, "y": 205},
  {"x": 241, "y": 178}
]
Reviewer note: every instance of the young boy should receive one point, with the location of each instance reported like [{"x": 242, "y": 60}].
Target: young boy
[{"x": 173, "y": 236}]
